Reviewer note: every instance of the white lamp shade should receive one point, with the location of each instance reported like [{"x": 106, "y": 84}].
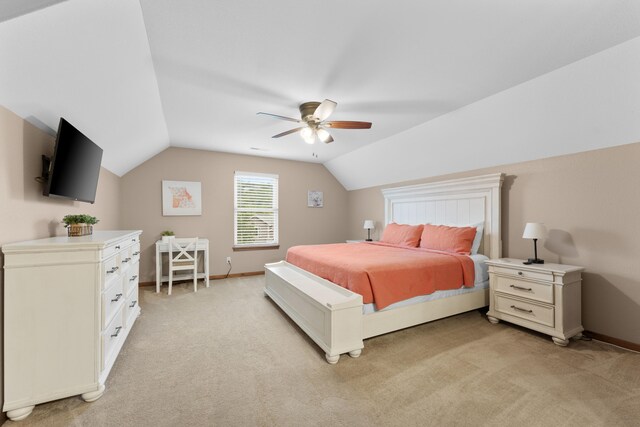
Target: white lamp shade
[
  {"x": 368, "y": 224},
  {"x": 534, "y": 230}
]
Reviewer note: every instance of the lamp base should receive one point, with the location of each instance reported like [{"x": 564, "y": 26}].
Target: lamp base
[
  {"x": 533, "y": 261},
  {"x": 368, "y": 240}
]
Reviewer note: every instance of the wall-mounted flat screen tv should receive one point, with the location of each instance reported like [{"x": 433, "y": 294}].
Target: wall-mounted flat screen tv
[{"x": 75, "y": 165}]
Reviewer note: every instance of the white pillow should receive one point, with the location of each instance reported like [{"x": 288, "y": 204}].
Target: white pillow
[{"x": 475, "y": 247}]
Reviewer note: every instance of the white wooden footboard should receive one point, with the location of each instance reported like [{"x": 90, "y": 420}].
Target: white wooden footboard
[{"x": 329, "y": 314}]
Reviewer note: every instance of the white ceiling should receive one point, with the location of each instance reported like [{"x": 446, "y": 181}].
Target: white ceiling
[
  {"x": 10, "y": 9},
  {"x": 138, "y": 77}
]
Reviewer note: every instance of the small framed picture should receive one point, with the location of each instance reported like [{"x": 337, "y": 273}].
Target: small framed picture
[
  {"x": 314, "y": 199},
  {"x": 181, "y": 198}
]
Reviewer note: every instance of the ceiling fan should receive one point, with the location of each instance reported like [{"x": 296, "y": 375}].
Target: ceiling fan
[{"x": 314, "y": 119}]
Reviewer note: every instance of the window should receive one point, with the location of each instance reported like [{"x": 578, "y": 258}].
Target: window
[{"x": 255, "y": 209}]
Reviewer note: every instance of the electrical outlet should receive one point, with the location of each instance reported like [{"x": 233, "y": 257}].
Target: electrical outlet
[{"x": 228, "y": 260}]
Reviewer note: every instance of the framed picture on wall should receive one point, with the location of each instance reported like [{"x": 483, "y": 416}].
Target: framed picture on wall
[
  {"x": 181, "y": 198},
  {"x": 315, "y": 199}
]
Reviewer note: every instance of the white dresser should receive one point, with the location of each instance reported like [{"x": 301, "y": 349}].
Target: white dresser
[
  {"x": 69, "y": 304},
  {"x": 542, "y": 297}
]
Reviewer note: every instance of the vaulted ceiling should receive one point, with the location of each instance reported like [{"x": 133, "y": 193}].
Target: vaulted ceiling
[{"x": 139, "y": 76}]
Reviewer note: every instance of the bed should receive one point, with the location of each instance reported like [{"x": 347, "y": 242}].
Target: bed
[{"x": 338, "y": 320}]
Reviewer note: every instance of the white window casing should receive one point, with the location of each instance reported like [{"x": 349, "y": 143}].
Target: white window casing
[{"x": 255, "y": 209}]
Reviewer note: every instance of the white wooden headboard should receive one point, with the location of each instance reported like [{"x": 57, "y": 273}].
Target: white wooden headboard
[{"x": 456, "y": 202}]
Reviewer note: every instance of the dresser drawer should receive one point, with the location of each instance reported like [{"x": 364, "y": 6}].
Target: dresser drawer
[
  {"x": 109, "y": 251},
  {"x": 523, "y": 288},
  {"x": 524, "y": 274},
  {"x": 131, "y": 280},
  {"x": 135, "y": 253},
  {"x": 131, "y": 307},
  {"x": 110, "y": 271},
  {"x": 126, "y": 259},
  {"x": 114, "y": 248},
  {"x": 112, "y": 300},
  {"x": 536, "y": 313},
  {"x": 110, "y": 337}
]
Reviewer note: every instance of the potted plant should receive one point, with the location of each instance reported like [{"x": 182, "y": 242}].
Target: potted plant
[
  {"x": 167, "y": 235},
  {"x": 80, "y": 224}
]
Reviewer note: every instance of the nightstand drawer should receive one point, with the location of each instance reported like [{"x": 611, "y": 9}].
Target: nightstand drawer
[
  {"x": 522, "y": 288},
  {"x": 525, "y": 310},
  {"x": 525, "y": 274}
]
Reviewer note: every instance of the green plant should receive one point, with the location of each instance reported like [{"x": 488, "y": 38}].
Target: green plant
[
  {"x": 167, "y": 233},
  {"x": 79, "y": 219}
]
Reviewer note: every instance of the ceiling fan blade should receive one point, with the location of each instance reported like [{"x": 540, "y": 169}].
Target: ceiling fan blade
[
  {"x": 325, "y": 109},
  {"x": 324, "y": 136},
  {"x": 281, "y": 117},
  {"x": 347, "y": 125},
  {"x": 287, "y": 132}
]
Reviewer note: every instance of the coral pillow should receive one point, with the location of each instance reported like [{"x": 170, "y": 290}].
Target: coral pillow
[
  {"x": 450, "y": 239},
  {"x": 402, "y": 234}
]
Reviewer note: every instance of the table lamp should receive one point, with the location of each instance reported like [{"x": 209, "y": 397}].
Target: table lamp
[
  {"x": 368, "y": 225},
  {"x": 535, "y": 231}
]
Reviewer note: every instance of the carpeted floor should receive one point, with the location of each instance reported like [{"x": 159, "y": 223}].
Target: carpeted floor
[{"x": 227, "y": 356}]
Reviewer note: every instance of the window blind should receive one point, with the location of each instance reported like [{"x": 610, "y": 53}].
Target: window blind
[{"x": 255, "y": 209}]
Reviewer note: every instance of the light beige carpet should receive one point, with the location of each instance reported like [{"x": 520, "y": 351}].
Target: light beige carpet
[{"x": 227, "y": 356}]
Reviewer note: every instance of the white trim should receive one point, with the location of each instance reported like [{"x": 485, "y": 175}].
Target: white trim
[
  {"x": 264, "y": 175},
  {"x": 274, "y": 182}
]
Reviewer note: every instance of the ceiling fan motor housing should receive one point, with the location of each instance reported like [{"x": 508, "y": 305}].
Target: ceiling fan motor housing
[{"x": 307, "y": 109}]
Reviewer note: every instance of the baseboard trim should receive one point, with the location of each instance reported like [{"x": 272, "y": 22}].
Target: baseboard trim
[
  {"x": 216, "y": 277},
  {"x": 615, "y": 341},
  {"x": 248, "y": 273}
]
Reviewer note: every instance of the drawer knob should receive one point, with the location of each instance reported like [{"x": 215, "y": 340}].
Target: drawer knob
[
  {"x": 117, "y": 298},
  {"x": 133, "y": 304},
  {"x": 521, "y": 309},
  {"x": 133, "y": 240},
  {"x": 519, "y": 273},
  {"x": 113, "y": 270},
  {"x": 133, "y": 278},
  {"x": 117, "y": 246},
  {"x": 137, "y": 253},
  {"x": 118, "y": 329},
  {"x": 520, "y": 288},
  {"x": 126, "y": 259}
]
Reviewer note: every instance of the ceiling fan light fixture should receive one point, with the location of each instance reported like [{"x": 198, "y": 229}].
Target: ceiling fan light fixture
[
  {"x": 308, "y": 135},
  {"x": 323, "y": 135}
]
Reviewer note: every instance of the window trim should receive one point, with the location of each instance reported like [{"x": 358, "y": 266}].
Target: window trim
[
  {"x": 254, "y": 248},
  {"x": 275, "y": 244}
]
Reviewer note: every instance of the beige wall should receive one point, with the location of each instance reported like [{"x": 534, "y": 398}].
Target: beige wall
[
  {"x": 141, "y": 205},
  {"x": 24, "y": 212},
  {"x": 590, "y": 202}
]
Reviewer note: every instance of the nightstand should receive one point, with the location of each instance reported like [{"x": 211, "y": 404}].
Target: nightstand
[{"x": 543, "y": 297}]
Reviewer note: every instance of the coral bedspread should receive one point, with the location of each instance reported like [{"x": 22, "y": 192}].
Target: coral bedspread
[{"x": 384, "y": 274}]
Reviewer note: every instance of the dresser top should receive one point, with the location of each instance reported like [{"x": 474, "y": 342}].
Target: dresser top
[
  {"x": 98, "y": 239},
  {"x": 518, "y": 264}
]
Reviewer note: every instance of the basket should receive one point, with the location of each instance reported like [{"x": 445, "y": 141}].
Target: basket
[{"x": 74, "y": 230}]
